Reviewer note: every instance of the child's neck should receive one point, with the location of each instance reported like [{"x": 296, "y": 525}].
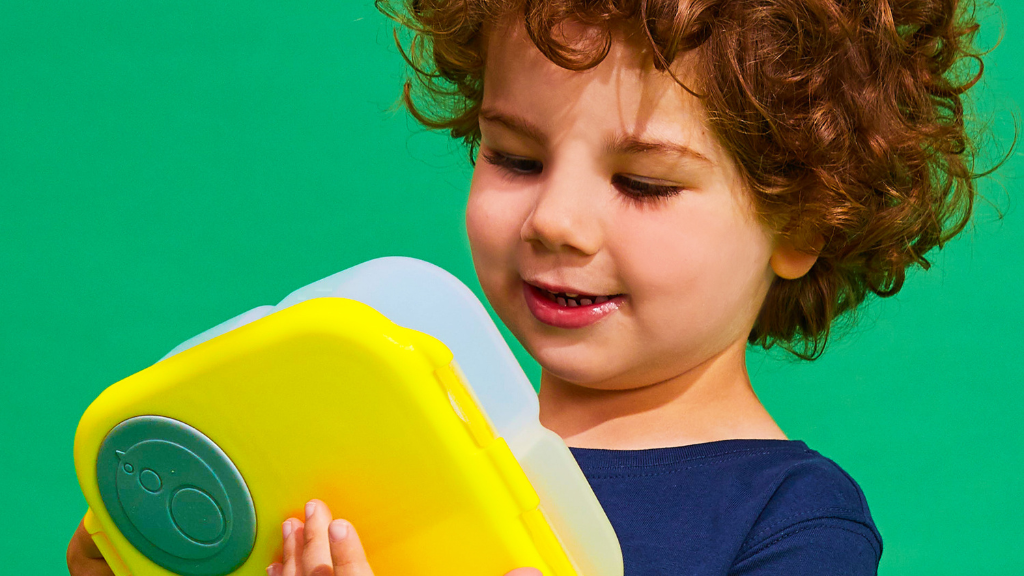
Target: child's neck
[{"x": 713, "y": 401}]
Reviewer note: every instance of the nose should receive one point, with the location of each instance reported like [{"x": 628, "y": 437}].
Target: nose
[{"x": 566, "y": 213}]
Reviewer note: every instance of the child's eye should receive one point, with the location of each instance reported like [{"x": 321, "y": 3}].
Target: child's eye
[
  {"x": 513, "y": 165},
  {"x": 642, "y": 190}
]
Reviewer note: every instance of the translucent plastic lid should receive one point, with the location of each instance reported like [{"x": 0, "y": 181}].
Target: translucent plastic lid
[{"x": 418, "y": 295}]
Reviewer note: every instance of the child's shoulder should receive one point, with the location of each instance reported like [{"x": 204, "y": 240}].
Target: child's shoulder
[
  {"x": 719, "y": 506},
  {"x": 808, "y": 497}
]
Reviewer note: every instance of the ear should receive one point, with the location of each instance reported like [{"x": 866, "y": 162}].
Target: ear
[{"x": 789, "y": 262}]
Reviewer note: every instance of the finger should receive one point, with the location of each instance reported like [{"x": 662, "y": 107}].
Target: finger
[
  {"x": 347, "y": 551},
  {"x": 83, "y": 557},
  {"x": 524, "y": 572},
  {"x": 316, "y": 549},
  {"x": 275, "y": 569},
  {"x": 291, "y": 556}
]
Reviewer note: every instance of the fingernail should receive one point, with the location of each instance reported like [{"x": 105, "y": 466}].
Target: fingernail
[
  {"x": 286, "y": 528},
  {"x": 271, "y": 570},
  {"x": 310, "y": 508},
  {"x": 337, "y": 530}
]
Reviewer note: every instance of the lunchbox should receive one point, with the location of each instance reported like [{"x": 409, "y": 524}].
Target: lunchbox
[{"x": 384, "y": 390}]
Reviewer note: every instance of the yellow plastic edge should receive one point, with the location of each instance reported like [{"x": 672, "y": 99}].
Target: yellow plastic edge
[
  {"x": 537, "y": 526},
  {"x": 516, "y": 480},
  {"x": 548, "y": 546},
  {"x": 93, "y": 527},
  {"x": 465, "y": 406}
]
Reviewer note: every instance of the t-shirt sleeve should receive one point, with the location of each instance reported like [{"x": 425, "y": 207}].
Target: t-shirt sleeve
[
  {"x": 815, "y": 522},
  {"x": 818, "y": 547}
]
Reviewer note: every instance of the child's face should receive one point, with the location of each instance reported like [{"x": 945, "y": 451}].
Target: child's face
[{"x": 556, "y": 202}]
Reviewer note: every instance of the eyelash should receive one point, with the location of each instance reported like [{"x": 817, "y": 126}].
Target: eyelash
[
  {"x": 635, "y": 191},
  {"x": 512, "y": 166}
]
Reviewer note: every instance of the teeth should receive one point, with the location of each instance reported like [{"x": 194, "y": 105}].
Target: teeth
[{"x": 572, "y": 300}]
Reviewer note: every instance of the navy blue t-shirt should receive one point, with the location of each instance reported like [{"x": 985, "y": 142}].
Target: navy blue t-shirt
[{"x": 734, "y": 507}]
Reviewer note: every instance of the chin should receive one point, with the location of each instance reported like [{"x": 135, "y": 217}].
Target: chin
[
  {"x": 580, "y": 363},
  {"x": 575, "y": 365},
  {"x": 601, "y": 369}
]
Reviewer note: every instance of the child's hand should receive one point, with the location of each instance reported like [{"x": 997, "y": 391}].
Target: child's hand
[
  {"x": 84, "y": 559},
  {"x": 322, "y": 547}
]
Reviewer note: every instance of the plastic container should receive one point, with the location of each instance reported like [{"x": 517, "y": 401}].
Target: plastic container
[{"x": 501, "y": 490}]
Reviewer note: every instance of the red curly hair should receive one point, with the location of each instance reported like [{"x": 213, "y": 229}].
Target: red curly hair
[{"x": 846, "y": 118}]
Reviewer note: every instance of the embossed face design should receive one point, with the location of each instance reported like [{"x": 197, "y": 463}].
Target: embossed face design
[
  {"x": 173, "y": 498},
  {"x": 176, "y": 496}
]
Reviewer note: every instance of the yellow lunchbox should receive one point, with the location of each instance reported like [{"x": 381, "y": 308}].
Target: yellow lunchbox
[{"x": 190, "y": 466}]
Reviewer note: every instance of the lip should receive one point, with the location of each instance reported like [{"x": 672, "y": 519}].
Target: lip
[{"x": 554, "y": 314}]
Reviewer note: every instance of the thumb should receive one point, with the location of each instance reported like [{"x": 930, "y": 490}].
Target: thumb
[{"x": 524, "y": 572}]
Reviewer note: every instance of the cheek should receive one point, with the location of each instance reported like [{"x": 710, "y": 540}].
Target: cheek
[
  {"x": 706, "y": 263},
  {"x": 488, "y": 222},
  {"x": 494, "y": 218}
]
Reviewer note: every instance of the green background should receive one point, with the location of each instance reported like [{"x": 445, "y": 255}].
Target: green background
[{"x": 167, "y": 165}]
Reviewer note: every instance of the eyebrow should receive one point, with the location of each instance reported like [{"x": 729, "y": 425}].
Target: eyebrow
[
  {"x": 618, "y": 145},
  {"x": 634, "y": 145},
  {"x": 516, "y": 124}
]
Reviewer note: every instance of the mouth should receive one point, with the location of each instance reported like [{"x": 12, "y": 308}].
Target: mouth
[{"x": 564, "y": 309}]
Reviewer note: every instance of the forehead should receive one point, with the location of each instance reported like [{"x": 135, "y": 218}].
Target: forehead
[{"x": 625, "y": 93}]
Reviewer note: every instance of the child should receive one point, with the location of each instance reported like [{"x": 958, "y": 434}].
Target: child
[{"x": 657, "y": 185}]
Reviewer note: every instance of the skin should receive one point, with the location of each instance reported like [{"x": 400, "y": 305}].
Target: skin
[{"x": 554, "y": 201}]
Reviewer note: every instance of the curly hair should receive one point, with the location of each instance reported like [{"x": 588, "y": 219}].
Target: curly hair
[{"x": 845, "y": 117}]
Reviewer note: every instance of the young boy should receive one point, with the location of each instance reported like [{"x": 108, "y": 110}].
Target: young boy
[{"x": 657, "y": 185}]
